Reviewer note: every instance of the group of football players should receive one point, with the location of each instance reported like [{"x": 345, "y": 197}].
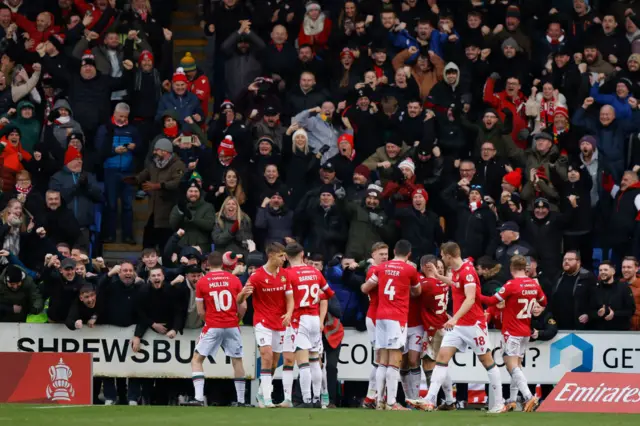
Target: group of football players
[{"x": 407, "y": 321}]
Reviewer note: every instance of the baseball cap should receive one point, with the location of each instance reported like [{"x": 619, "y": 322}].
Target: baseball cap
[
  {"x": 509, "y": 226},
  {"x": 68, "y": 263}
]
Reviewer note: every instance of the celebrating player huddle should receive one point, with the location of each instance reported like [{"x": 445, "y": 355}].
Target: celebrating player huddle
[{"x": 407, "y": 321}]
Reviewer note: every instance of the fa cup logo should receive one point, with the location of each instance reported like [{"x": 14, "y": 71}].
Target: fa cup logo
[{"x": 60, "y": 388}]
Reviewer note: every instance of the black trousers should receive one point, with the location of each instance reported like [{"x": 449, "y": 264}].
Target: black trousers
[
  {"x": 331, "y": 359},
  {"x": 155, "y": 237}
]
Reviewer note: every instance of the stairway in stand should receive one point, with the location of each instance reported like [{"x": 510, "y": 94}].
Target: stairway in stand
[{"x": 187, "y": 37}]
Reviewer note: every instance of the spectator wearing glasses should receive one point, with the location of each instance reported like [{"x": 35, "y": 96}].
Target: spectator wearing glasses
[{"x": 570, "y": 293}]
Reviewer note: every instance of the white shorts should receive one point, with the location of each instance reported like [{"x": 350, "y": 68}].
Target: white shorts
[
  {"x": 289, "y": 339},
  {"x": 229, "y": 338},
  {"x": 465, "y": 336},
  {"x": 268, "y": 337},
  {"x": 431, "y": 344},
  {"x": 415, "y": 335},
  {"x": 371, "y": 331},
  {"x": 515, "y": 345},
  {"x": 308, "y": 335},
  {"x": 390, "y": 334}
]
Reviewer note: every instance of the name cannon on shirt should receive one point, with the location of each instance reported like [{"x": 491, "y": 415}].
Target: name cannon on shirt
[{"x": 529, "y": 292}]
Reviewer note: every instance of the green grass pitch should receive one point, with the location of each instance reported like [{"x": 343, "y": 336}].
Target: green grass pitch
[{"x": 26, "y": 415}]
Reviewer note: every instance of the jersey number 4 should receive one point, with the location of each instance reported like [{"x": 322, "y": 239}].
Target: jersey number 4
[
  {"x": 390, "y": 290},
  {"x": 311, "y": 295},
  {"x": 222, "y": 300},
  {"x": 527, "y": 306}
]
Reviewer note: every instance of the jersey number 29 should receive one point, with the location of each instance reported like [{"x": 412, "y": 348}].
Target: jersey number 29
[{"x": 311, "y": 295}]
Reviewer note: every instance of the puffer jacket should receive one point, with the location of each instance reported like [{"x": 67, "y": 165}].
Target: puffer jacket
[{"x": 27, "y": 296}]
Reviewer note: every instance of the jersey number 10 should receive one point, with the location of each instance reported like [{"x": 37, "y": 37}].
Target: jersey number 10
[{"x": 221, "y": 299}]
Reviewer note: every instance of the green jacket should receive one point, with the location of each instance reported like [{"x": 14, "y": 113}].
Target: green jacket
[
  {"x": 363, "y": 233},
  {"x": 29, "y": 128},
  {"x": 197, "y": 230},
  {"x": 26, "y": 296}
]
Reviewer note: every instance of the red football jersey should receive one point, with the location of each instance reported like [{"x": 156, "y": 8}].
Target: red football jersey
[
  {"x": 433, "y": 302},
  {"x": 307, "y": 284},
  {"x": 395, "y": 279},
  {"x": 414, "y": 318},
  {"x": 219, "y": 290},
  {"x": 269, "y": 297},
  {"x": 466, "y": 276},
  {"x": 373, "y": 296},
  {"x": 519, "y": 295}
]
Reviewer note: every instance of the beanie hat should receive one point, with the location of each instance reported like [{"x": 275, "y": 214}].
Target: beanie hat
[
  {"x": 227, "y": 147},
  {"x": 541, "y": 202},
  {"x": 513, "y": 12},
  {"x": 627, "y": 83},
  {"x": 229, "y": 261},
  {"x": 420, "y": 191},
  {"x": 374, "y": 187},
  {"x": 88, "y": 58},
  {"x": 373, "y": 192},
  {"x": 179, "y": 75},
  {"x": 75, "y": 135},
  {"x": 145, "y": 54},
  {"x": 590, "y": 140},
  {"x": 407, "y": 162},
  {"x": 346, "y": 137},
  {"x": 562, "y": 111},
  {"x": 195, "y": 176},
  {"x": 346, "y": 52},
  {"x": 513, "y": 178},
  {"x": 363, "y": 171},
  {"x": 312, "y": 5},
  {"x": 13, "y": 128},
  {"x": 71, "y": 154},
  {"x": 194, "y": 184},
  {"x": 188, "y": 62},
  {"x": 255, "y": 258},
  {"x": 394, "y": 139},
  {"x": 511, "y": 42},
  {"x": 14, "y": 274},
  {"x": 164, "y": 144},
  {"x": 490, "y": 111},
  {"x": 635, "y": 58},
  {"x": 328, "y": 188},
  {"x": 478, "y": 188},
  {"x": 226, "y": 104},
  {"x": 302, "y": 132}
]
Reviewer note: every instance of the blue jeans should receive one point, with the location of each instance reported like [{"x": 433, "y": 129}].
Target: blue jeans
[{"x": 116, "y": 189}]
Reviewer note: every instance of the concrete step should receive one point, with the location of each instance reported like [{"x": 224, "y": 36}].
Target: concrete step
[{"x": 190, "y": 42}]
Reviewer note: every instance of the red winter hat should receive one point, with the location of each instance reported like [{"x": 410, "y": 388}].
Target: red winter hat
[
  {"x": 362, "y": 170},
  {"x": 562, "y": 111},
  {"x": 229, "y": 261},
  {"x": 71, "y": 154},
  {"x": 347, "y": 52},
  {"x": 422, "y": 192},
  {"x": 346, "y": 137},
  {"x": 145, "y": 54},
  {"x": 227, "y": 148},
  {"x": 513, "y": 178},
  {"x": 179, "y": 75}
]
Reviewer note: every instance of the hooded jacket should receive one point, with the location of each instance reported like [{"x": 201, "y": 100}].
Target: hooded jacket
[
  {"x": 241, "y": 69},
  {"x": 26, "y": 296},
  {"x": 276, "y": 224},
  {"x": 444, "y": 95},
  {"x": 366, "y": 227},
  {"x": 29, "y": 128},
  {"x": 197, "y": 227},
  {"x": 58, "y": 129}
]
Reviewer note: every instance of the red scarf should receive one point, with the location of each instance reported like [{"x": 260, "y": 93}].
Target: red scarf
[
  {"x": 476, "y": 207},
  {"x": 24, "y": 191},
  {"x": 113, "y": 121},
  {"x": 171, "y": 132}
]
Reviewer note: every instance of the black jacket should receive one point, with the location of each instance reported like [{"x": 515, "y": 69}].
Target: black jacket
[
  {"x": 617, "y": 297},
  {"x": 422, "y": 230},
  {"x": 475, "y": 231},
  {"x": 119, "y": 302},
  {"x": 301, "y": 170},
  {"x": 545, "y": 324},
  {"x": 566, "y": 312},
  {"x": 61, "y": 293},
  {"x": 80, "y": 311},
  {"x": 157, "y": 306},
  {"x": 504, "y": 253},
  {"x": 298, "y": 101},
  {"x": 323, "y": 231},
  {"x": 490, "y": 174}
]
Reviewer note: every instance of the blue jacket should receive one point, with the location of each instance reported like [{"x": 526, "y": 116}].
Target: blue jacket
[
  {"x": 612, "y": 139},
  {"x": 109, "y": 137},
  {"x": 352, "y": 301},
  {"x": 79, "y": 198},
  {"x": 620, "y": 105},
  {"x": 185, "y": 106}
]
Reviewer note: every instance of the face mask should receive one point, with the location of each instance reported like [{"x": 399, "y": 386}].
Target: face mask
[{"x": 64, "y": 120}]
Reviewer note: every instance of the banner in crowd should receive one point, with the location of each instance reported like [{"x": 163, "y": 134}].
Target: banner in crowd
[
  {"x": 595, "y": 393},
  {"x": 113, "y": 356},
  {"x": 544, "y": 362},
  {"x": 46, "y": 378}
]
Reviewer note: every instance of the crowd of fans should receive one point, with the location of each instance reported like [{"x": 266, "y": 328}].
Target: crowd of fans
[{"x": 510, "y": 127}]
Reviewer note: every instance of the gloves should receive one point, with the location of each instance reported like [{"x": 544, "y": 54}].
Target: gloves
[
  {"x": 187, "y": 213},
  {"x": 376, "y": 219},
  {"x": 340, "y": 193},
  {"x": 83, "y": 179},
  {"x": 324, "y": 149},
  {"x": 235, "y": 227},
  {"x": 607, "y": 182},
  {"x": 494, "y": 76}
]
